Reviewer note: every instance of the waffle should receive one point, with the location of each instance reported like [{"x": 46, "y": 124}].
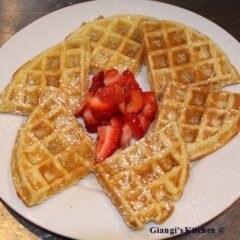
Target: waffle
[
  {"x": 144, "y": 179},
  {"x": 207, "y": 119},
  {"x": 51, "y": 153},
  {"x": 175, "y": 52},
  {"x": 61, "y": 69},
  {"x": 115, "y": 42}
]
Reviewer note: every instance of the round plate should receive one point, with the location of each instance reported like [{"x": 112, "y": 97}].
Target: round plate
[{"x": 84, "y": 211}]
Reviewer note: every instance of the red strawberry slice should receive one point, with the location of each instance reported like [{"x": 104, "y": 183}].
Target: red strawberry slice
[
  {"x": 104, "y": 122},
  {"x": 112, "y": 77},
  {"x": 117, "y": 121},
  {"x": 129, "y": 75},
  {"x": 135, "y": 101},
  {"x": 150, "y": 105},
  {"x": 102, "y": 109},
  {"x": 111, "y": 73},
  {"x": 144, "y": 122},
  {"x": 113, "y": 93},
  {"x": 131, "y": 83},
  {"x": 91, "y": 123},
  {"x": 108, "y": 140},
  {"x": 135, "y": 125},
  {"x": 122, "y": 107},
  {"x": 126, "y": 137},
  {"x": 148, "y": 97},
  {"x": 117, "y": 109},
  {"x": 149, "y": 110},
  {"x": 80, "y": 110},
  {"x": 97, "y": 81},
  {"x": 91, "y": 128},
  {"x": 104, "y": 115}
]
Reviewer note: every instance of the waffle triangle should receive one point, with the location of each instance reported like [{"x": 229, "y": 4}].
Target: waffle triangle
[
  {"x": 115, "y": 42},
  {"x": 207, "y": 119},
  {"x": 175, "y": 52},
  {"x": 52, "y": 152},
  {"x": 144, "y": 179},
  {"x": 62, "y": 69}
]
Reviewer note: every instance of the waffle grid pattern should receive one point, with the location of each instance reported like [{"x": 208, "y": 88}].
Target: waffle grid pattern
[
  {"x": 143, "y": 180},
  {"x": 115, "y": 41},
  {"x": 52, "y": 152},
  {"x": 61, "y": 69},
  {"x": 175, "y": 52},
  {"x": 206, "y": 118}
]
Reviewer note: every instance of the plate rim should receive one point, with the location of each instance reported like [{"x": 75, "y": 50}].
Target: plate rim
[{"x": 21, "y": 31}]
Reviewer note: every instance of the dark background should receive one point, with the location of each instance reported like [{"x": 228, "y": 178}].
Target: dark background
[{"x": 16, "y": 14}]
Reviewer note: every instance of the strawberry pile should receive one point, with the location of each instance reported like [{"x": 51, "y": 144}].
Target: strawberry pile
[{"x": 117, "y": 110}]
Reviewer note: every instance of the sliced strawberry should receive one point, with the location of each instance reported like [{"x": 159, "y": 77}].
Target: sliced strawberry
[
  {"x": 150, "y": 105},
  {"x": 122, "y": 107},
  {"x": 91, "y": 123},
  {"x": 108, "y": 141},
  {"x": 80, "y": 110},
  {"x": 144, "y": 122},
  {"x": 102, "y": 109},
  {"x": 149, "y": 110},
  {"x": 104, "y": 122},
  {"x": 119, "y": 79},
  {"x": 113, "y": 76},
  {"x": 113, "y": 93},
  {"x": 91, "y": 128},
  {"x": 105, "y": 115},
  {"x": 128, "y": 74},
  {"x": 148, "y": 97},
  {"x": 117, "y": 121},
  {"x": 126, "y": 137},
  {"x": 135, "y": 125},
  {"x": 111, "y": 73},
  {"x": 135, "y": 101},
  {"x": 131, "y": 83},
  {"x": 97, "y": 81}
]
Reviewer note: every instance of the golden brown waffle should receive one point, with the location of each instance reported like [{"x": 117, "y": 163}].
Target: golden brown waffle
[
  {"x": 207, "y": 119},
  {"x": 115, "y": 42},
  {"x": 51, "y": 153},
  {"x": 175, "y": 52},
  {"x": 144, "y": 179},
  {"x": 61, "y": 69}
]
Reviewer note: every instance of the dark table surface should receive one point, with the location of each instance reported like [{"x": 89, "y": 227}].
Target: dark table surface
[{"x": 16, "y": 14}]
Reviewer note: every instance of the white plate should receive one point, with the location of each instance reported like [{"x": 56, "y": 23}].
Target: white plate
[{"x": 83, "y": 211}]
